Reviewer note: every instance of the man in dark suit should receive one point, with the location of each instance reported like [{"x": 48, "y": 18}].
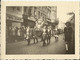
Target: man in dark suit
[{"x": 68, "y": 35}]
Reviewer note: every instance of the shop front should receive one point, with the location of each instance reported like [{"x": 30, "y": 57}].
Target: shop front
[{"x": 12, "y": 22}]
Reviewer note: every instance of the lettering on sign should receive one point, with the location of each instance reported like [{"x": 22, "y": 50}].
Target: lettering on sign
[{"x": 14, "y": 18}]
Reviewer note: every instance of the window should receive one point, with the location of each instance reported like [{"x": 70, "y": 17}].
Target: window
[
  {"x": 29, "y": 11},
  {"x": 35, "y": 11},
  {"x": 19, "y": 8},
  {"x": 13, "y": 8},
  {"x": 25, "y": 10}
]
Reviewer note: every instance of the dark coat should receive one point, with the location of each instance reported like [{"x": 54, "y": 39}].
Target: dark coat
[
  {"x": 44, "y": 36},
  {"x": 68, "y": 33},
  {"x": 49, "y": 32}
]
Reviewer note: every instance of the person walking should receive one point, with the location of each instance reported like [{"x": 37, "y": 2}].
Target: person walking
[
  {"x": 10, "y": 34},
  {"x": 48, "y": 35},
  {"x": 56, "y": 35},
  {"x": 28, "y": 35},
  {"x": 13, "y": 34},
  {"x": 34, "y": 35},
  {"x": 16, "y": 34},
  {"x": 44, "y": 35},
  {"x": 19, "y": 34},
  {"x": 68, "y": 36},
  {"x": 22, "y": 33}
]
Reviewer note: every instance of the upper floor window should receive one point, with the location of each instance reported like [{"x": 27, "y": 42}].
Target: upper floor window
[{"x": 19, "y": 8}]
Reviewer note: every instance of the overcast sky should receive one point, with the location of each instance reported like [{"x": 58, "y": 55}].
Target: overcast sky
[{"x": 63, "y": 9}]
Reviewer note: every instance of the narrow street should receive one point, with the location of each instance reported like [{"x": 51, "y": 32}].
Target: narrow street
[{"x": 55, "y": 47}]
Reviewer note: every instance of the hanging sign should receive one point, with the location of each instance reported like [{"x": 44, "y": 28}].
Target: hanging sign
[{"x": 39, "y": 23}]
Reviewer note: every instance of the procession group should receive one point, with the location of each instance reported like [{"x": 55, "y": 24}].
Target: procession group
[{"x": 28, "y": 34}]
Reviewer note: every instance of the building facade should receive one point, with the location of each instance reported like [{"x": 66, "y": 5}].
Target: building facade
[
  {"x": 48, "y": 14},
  {"x": 18, "y": 16},
  {"x": 14, "y": 16},
  {"x": 13, "y": 21}
]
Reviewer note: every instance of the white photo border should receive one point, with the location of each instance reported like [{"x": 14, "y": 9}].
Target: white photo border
[{"x": 48, "y": 56}]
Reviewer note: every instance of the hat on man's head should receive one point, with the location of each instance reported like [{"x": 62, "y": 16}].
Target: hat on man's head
[{"x": 68, "y": 23}]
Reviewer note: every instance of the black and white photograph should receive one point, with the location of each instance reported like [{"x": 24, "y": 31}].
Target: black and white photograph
[
  {"x": 37, "y": 31},
  {"x": 46, "y": 29}
]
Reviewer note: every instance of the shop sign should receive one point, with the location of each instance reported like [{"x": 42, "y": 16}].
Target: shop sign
[{"x": 14, "y": 18}]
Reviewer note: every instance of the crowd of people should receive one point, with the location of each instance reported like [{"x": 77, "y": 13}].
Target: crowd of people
[
  {"x": 14, "y": 33},
  {"x": 26, "y": 33}
]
